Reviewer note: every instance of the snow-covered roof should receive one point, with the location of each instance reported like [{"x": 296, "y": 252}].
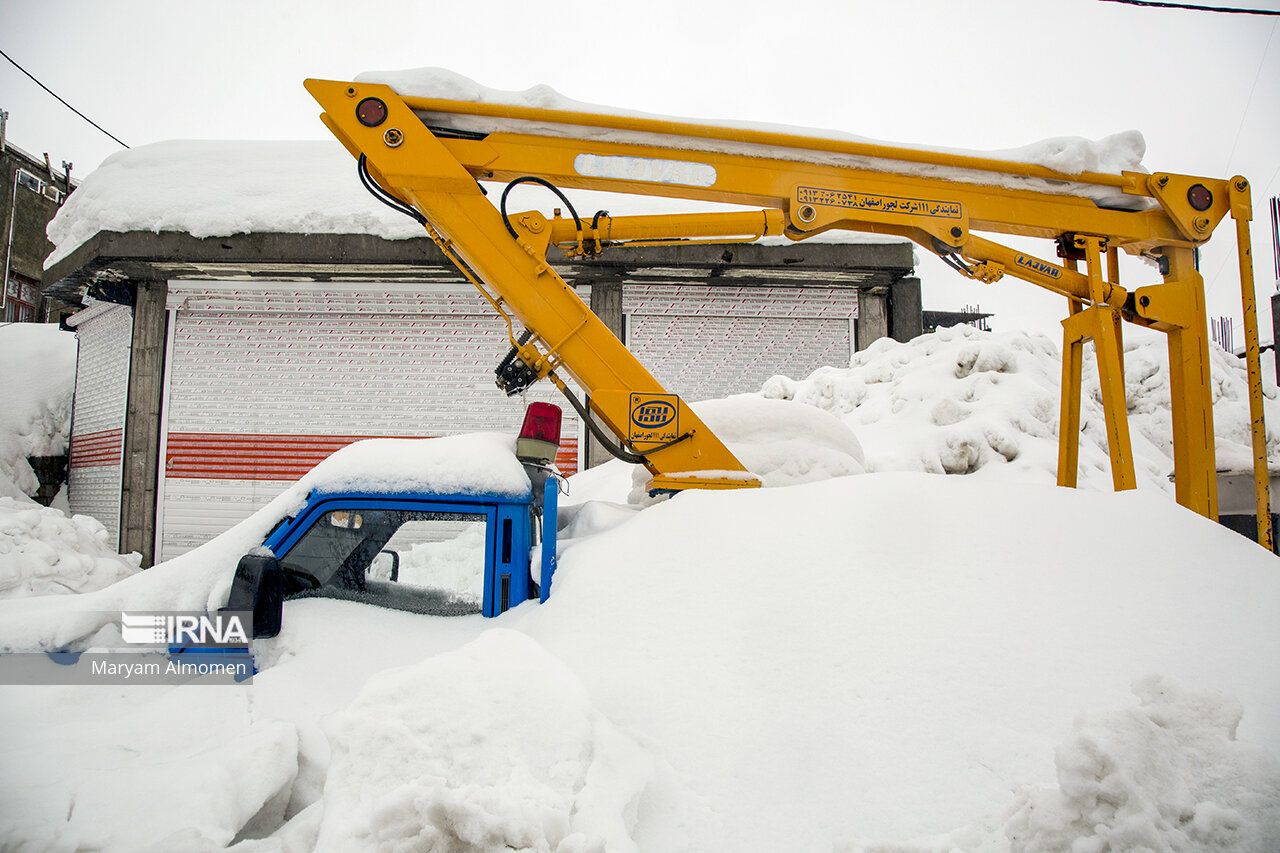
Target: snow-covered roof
[
  {"x": 473, "y": 464},
  {"x": 218, "y": 188}
]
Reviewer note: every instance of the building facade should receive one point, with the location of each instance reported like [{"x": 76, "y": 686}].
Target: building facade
[{"x": 30, "y": 194}]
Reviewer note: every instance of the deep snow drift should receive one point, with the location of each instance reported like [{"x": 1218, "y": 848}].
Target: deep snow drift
[
  {"x": 890, "y": 656},
  {"x": 831, "y": 665},
  {"x": 961, "y": 401},
  {"x": 42, "y": 551},
  {"x": 35, "y": 418},
  {"x": 895, "y": 661}
]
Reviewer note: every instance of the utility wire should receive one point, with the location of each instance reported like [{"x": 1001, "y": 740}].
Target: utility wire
[
  {"x": 64, "y": 103},
  {"x": 1160, "y": 5},
  {"x": 1249, "y": 101}
]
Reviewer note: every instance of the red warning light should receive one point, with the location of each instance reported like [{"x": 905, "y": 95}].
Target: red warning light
[
  {"x": 542, "y": 422},
  {"x": 371, "y": 112},
  {"x": 1200, "y": 197},
  {"x": 540, "y": 434}
]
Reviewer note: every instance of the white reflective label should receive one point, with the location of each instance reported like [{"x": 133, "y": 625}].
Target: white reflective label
[{"x": 645, "y": 169}]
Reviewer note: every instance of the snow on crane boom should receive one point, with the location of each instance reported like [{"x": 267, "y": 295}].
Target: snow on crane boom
[{"x": 420, "y": 157}]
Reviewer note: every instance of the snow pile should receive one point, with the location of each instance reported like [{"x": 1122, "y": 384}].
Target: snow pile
[
  {"x": 781, "y": 442},
  {"x": 888, "y": 657},
  {"x": 1119, "y": 152},
  {"x": 869, "y": 663},
  {"x": 35, "y": 419},
  {"x": 472, "y": 464},
  {"x": 963, "y": 401},
  {"x": 219, "y": 188},
  {"x": 511, "y": 756},
  {"x": 1147, "y": 392},
  {"x": 851, "y": 663},
  {"x": 43, "y": 552},
  {"x": 198, "y": 580},
  {"x": 161, "y": 770},
  {"x": 1169, "y": 775}
]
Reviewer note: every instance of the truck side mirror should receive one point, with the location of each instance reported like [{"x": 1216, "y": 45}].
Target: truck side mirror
[
  {"x": 259, "y": 586},
  {"x": 392, "y": 572}
]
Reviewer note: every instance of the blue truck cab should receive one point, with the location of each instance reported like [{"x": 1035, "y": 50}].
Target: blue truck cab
[{"x": 457, "y": 552}]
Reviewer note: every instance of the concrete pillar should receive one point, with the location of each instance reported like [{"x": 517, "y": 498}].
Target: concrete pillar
[
  {"x": 606, "y": 303},
  {"x": 873, "y": 317},
  {"x": 906, "y": 313},
  {"x": 1275, "y": 333},
  {"x": 142, "y": 421}
]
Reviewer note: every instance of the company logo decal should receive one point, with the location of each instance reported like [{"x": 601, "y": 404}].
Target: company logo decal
[
  {"x": 1038, "y": 266},
  {"x": 881, "y": 203},
  {"x": 655, "y": 418},
  {"x": 653, "y": 415}
]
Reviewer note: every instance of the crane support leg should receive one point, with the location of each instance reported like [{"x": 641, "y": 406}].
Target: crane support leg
[
  {"x": 1242, "y": 212},
  {"x": 1101, "y": 324},
  {"x": 1069, "y": 414},
  {"x": 1069, "y": 419},
  {"x": 1194, "y": 469}
]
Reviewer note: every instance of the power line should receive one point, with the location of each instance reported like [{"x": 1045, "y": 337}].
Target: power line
[
  {"x": 1249, "y": 101},
  {"x": 1161, "y": 5},
  {"x": 64, "y": 103}
]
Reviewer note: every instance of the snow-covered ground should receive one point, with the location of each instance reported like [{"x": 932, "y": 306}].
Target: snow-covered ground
[{"x": 887, "y": 661}]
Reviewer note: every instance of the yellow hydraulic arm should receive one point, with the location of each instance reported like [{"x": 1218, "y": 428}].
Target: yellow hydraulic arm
[{"x": 418, "y": 153}]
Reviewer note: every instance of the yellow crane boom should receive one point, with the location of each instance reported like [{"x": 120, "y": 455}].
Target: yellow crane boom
[{"x": 411, "y": 150}]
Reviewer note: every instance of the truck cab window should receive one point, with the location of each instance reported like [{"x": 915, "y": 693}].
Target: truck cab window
[{"x": 427, "y": 562}]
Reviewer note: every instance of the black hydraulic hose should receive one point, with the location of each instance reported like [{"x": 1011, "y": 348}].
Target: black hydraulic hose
[
  {"x": 595, "y": 228},
  {"x": 533, "y": 179},
  {"x": 362, "y": 167},
  {"x": 615, "y": 450}
]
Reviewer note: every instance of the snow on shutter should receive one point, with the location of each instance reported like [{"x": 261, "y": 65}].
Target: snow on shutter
[
  {"x": 706, "y": 342},
  {"x": 104, "y": 332},
  {"x": 267, "y": 379}
]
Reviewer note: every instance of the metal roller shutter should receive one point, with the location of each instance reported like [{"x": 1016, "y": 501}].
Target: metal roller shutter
[
  {"x": 104, "y": 332},
  {"x": 265, "y": 380},
  {"x": 706, "y": 342}
]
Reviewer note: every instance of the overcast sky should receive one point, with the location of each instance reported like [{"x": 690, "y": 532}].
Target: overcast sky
[{"x": 1204, "y": 88}]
